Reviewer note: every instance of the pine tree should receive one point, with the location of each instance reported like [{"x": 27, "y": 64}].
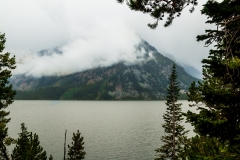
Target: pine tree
[
  {"x": 50, "y": 157},
  {"x": 28, "y": 146},
  {"x": 207, "y": 148},
  {"x": 173, "y": 117},
  {"x": 217, "y": 97},
  {"x": 76, "y": 151},
  {"x": 7, "y": 63},
  {"x": 158, "y": 8}
]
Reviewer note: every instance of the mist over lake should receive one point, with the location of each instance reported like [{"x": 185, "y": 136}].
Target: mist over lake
[{"x": 115, "y": 130}]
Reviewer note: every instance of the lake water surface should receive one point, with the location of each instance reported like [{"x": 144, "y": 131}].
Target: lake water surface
[{"x": 112, "y": 130}]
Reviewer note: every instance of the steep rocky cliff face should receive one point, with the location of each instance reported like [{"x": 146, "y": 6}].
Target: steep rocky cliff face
[{"x": 146, "y": 79}]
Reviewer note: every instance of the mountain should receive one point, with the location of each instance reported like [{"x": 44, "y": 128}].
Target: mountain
[
  {"x": 188, "y": 68},
  {"x": 192, "y": 70},
  {"x": 146, "y": 80}
]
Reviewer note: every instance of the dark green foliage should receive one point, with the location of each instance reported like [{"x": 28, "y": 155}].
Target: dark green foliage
[
  {"x": 183, "y": 96},
  {"x": 204, "y": 147},
  {"x": 175, "y": 132},
  {"x": 89, "y": 91},
  {"x": 50, "y": 157},
  {"x": 217, "y": 97},
  {"x": 76, "y": 151},
  {"x": 28, "y": 146},
  {"x": 7, "y": 63},
  {"x": 46, "y": 93},
  {"x": 158, "y": 8}
]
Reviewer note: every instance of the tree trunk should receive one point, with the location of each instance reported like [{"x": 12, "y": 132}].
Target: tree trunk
[
  {"x": 64, "y": 156},
  {"x": 4, "y": 151},
  {"x": 173, "y": 152}
]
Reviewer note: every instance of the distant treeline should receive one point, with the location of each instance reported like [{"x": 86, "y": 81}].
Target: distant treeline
[{"x": 64, "y": 93}]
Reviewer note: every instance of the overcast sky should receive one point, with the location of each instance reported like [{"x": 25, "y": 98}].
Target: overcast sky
[{"x": 89, "y": 31}]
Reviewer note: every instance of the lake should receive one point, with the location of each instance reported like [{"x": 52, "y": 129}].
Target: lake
[{"x": 112, "y": 130}]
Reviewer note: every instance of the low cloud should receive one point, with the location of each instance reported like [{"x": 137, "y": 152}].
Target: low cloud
[
  {"x": 102, "y": 44},
  {"x": 74, "y": 25}
]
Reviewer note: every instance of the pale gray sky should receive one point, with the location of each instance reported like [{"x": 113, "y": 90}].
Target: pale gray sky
[{"x": 90, "y": 29}]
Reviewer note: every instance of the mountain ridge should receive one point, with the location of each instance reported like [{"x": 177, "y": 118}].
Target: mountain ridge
[
  {"x": 145, "y": 80},
  {"x": 188, "y": 68}
]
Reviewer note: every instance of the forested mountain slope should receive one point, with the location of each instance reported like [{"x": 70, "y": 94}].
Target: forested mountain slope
[{"x": 146, "y": 80}]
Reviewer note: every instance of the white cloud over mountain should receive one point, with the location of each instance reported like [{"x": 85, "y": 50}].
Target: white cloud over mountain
[
  {"x": 103, "y": 44},
  {"x": 75, "y": 25}
]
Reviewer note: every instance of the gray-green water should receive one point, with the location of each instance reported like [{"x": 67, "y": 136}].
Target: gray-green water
[{"x": 112, "y": 130}]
